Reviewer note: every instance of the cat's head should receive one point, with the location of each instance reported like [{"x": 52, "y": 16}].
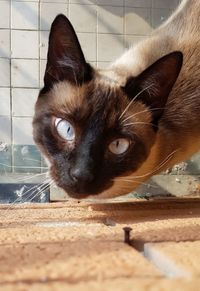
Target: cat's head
[{"x": 90, "y": 127}]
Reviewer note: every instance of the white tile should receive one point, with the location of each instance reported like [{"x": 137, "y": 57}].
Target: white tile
[
  {"x": 131, "y": 40},
  {"x": 5, "y": 14},
  {"x": 110, "y": 19},
  {"x": 110, "y": 47},
  {"x": 110, "y": 2},
  {"x": 83, "y": 17},
  {"x": 22, "y": 131},
  {"x": 169, "y": 4},
  {"x": 137, "y": 21},
  {"x": 55, "y": 1},
  {"x": 138, "y": 3},
  {"x": 159, "y": 16},
  {"x": 5, "y": 129},
  {"x": 23, "y": 101},
  {"x": 88, "y": 45},
  {"x": 25, "y": 73},
  {"x": 5, "y": 101},
  {"x": 93, "y": 64},
  {"x": 5, "y": 43},
  {"x": 88, "y": 2},
  {"x": 4, "y": 72},
  {"x": 24, "y": 15},
  {"x": 30, "y": 47},
  {"x": 27, "y": 0},
  {"x": 43, "y": 64},
  {"x": 48, "y": 11},
  {"x": 44, "y": 38},
  {"x": 103, "y": 65}
]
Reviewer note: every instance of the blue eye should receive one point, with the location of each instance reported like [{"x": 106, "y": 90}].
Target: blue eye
[{"x": 65, "y": 129}]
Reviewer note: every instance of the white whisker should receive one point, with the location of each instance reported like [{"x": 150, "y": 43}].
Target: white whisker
[
  {"x": 133, "y": 181},
  {"x": 160, "y": 165},
  {"x": 143, "y": 111},
  {"x": 17, "y": 200},
  {"x": 40, "y": 189},
  {"x": 32, "y": 189},
  {"x": 32, "y": 195},
  {"x": 27, "y": 159},
  {"x": 28, "y": 177},
  {"x": 140, "y": 122},
  {"x": 23, "y": 167},
  {"x": 132, "y": 178},
  {"x": 52, "y": 75},
  {"x": 136, "y": 96}
]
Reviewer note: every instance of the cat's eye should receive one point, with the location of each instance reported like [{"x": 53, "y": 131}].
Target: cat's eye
[
  {"x": 65, "y": 129},
  {"x": 119, "y": 146}
]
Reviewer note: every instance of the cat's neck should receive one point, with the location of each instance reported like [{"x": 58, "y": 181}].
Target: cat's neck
[{"x": 168, "y": 150}]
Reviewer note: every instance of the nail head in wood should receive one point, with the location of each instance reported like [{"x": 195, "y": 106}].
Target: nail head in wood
[{"x": 127, "y": 231}]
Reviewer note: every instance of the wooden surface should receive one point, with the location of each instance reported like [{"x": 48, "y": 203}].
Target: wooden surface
[{"x": 80, "y": 245}]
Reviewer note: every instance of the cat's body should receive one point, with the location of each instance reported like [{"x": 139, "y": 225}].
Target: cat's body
[
  {"x": 179, "y": 129},
  {"x": 175, "y": 132}
]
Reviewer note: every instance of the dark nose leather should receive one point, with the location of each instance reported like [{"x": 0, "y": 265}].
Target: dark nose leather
[{"x": 81, "y": 176}]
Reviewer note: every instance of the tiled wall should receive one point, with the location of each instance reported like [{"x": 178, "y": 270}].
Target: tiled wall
[{"x": 105, "y": 29}]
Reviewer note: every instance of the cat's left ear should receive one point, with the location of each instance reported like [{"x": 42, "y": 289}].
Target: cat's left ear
[
  {"x": 65, "y": 60},
  {"x": 154, "y": 85}
]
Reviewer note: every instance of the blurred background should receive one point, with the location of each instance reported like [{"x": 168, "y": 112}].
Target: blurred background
[{"x": 105, "y": 28}]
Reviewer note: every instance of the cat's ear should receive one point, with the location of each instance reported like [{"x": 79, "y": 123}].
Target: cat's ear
[
  {"x": 65, "y": 60},
  {"x": 153, "y": 85}
]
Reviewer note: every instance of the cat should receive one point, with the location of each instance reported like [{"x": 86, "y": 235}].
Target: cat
[{"x": 104, "y": 132}]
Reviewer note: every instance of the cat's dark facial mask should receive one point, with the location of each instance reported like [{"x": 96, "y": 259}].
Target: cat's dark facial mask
[{"x": 90, "y": 128}]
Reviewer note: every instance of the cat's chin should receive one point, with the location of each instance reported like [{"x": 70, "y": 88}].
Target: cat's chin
[
  {"x": 77, "y": 196},
  {"x": 82, "y": 195},
  {"x": 109, "y": 193},
  {"x": 89, "y": 191}
]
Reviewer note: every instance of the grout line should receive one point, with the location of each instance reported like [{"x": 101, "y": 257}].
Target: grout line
[
  {"x": 42, "y": 1},
  {"x": 68, "y": 9},
  {"x": 79, "y": 32},
  {"x": 151, "y": 15},
  {"x": 124, "y": 28},
  {"x": 97, "y": 36},
  {"x": 21, "y": 87},
  {"x": 161, "y": 262},
  {"x": 39, "y": 38},
  {"x": 39, "y": 61},
  {"x": 11, "y": 107}
]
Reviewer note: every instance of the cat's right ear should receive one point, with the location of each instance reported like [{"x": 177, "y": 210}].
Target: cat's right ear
[
  {"x": 65, "y": 59},
  {"x": 153, "y": 86}
]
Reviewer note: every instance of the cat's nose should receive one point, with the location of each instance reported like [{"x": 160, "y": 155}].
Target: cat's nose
[{"x": 80, "y": 175}]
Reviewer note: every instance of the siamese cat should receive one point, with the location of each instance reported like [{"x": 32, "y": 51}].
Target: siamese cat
[{"x": 104, "y": 132}]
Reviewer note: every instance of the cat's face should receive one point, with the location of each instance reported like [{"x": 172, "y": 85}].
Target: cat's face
[
  {"x": 90, "y": 127},
  {"x": 87, "y": 138}
]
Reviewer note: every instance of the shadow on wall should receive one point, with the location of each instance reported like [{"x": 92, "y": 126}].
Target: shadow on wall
[
  {"x": 105, "y": 22},
  {"x": 133, "y": 17}
]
